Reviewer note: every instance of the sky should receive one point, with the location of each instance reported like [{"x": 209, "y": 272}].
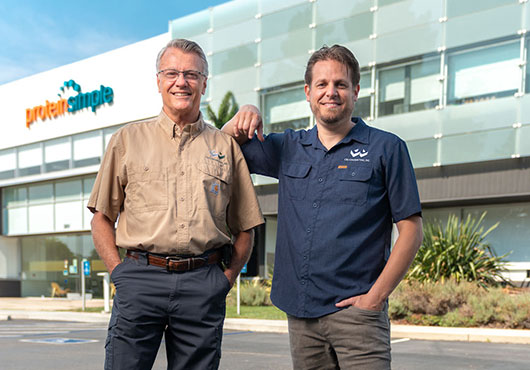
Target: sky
[{"x": 37, "y": 35}]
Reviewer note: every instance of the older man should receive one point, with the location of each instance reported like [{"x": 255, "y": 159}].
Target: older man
[
  {"x": 181, "y": 188},
  {"x": 341, "y": 186}
]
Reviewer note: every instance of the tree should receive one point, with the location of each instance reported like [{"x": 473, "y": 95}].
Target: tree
[{"x": 227, "y": 110}]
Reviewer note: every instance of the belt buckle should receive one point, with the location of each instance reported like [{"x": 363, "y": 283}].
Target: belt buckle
[{"x": 169, "y": 259}]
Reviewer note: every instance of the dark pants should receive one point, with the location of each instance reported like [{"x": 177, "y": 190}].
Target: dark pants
[
  {"x": 187, "y": 307},
  {"x": 351, "y": 338}
]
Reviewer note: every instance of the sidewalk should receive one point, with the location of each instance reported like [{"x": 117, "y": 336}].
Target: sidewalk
[{"x": 58, "y": 309}]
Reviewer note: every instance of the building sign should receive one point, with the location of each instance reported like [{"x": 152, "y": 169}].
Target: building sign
[{"x": 72, "y": 104}]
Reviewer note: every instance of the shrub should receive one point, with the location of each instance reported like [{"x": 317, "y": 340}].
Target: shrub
[
  {"x": 457, "y": 252},
  {"x": 252, "y": 293},
  {"x": 459, "y": 304}
]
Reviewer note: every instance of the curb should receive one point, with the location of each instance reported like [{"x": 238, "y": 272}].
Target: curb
[{"x": 513, "y": 336}]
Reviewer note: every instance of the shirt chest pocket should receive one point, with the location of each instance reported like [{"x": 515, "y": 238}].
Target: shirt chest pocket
[
  {"x": 353, "y": 185},
  {"x": 295, "y": 179},
  {"x": 216, "y": 180},
  {"x": 147, "y": 189}
]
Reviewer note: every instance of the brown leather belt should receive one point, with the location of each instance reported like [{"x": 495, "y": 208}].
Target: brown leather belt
[{"x": 175, "y": 263}]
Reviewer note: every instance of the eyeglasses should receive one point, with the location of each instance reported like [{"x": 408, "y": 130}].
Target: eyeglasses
[{"x": 171, "y": 74}]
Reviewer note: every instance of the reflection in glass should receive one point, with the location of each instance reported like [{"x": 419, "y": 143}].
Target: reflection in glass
[
  {"x": 29, "y": 159},
  {"x": 47, "y": 259},
  {"x": 236, "y": 58},
  {"x": 344, "y": 30},
  {"x": 409, "y": 88},
  {"x": 87, "y": 149},
  {"x": 286, "y": 109},
  {"x": 8, "y": 163},
  {"x": 57, "y": 154},
  {"x": 483, "y": 74},
  {"x": 362, "y": 106},
  {"x": 286, "y": 21}
]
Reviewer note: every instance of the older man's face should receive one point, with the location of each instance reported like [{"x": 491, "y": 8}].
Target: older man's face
[{"x": 181, "y": 97}]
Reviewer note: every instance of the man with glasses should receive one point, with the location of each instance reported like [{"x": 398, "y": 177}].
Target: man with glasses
[
  {"x": 182, "y": 190},
  {"x": 341, "y": 186}
]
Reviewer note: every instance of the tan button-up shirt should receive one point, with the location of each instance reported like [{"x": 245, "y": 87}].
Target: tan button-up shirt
[{"x": 176, "y": 192}]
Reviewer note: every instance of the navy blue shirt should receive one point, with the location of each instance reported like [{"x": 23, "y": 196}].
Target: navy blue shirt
[{"x": 335, "y": 212}]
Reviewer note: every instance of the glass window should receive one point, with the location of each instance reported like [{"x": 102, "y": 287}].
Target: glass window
[
  {"x": 527, "y": 79},
  {"x": 30, "y": 159},
  {"x": 233, "y": 12},
  {"x": 286, "y": 21},
  {"x": 40, "y": 218},
  {"x": 190, "y": 25},
  {"x": 329, "y": 10},
  {"x": 15, "y": 221},
  {"x": 513, "y": 233},
  {"x": 362, "y": 106},
  {"x": 88, "y": 184},
  {"x": 236, "y": 58},
  {"x": 409, "y": 88},
  {"x": 41, "y": 193},
  {"x": 87, "y": 149},
  {"x": 344, "y": 30},
  {"x": 459, "y": 7},
  {"x": 286, "y": 46},
  {"x": 67, "y": 190},
  {"x": 57, "y": 154},
  {"x": 286, "y": 109},
  {"x": 484, "y": 74},
  {"x": 8, "y": 163},
  {"x": 14, "y": 196},
  {"x": 69, "y": 216}
]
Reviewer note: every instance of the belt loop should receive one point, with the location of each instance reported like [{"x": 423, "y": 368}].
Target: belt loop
[{"x": 147, "y": 258}]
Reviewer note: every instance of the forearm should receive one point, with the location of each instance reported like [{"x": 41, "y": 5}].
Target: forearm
[
  {"x": 403, "y": 253},
  {"x": 240, "y": 254},
  {"x": 105, "y": 240}
]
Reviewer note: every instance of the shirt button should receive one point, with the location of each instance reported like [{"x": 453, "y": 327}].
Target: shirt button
[
  {"x": 305, "y": 258},
  {"x": 315, "y": 205},
  {"x": 182, "y": 199},
  {"x": 181, "y": 173},
  {"x": 146, "y": 168},
  {"x": 308, "y": 230},
  {"x": 353, "y": 173},
  {"x": 302, "y": 282},
  {"x": 320, "y": 179},
  {"x": 182, "y": 226}
]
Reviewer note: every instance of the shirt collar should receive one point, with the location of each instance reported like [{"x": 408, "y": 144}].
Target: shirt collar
[
  {"x": 359, "y": 133},
  {"x": 172, "y": 129}
]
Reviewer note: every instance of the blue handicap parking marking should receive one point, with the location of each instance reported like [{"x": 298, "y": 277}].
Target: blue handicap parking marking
[{"x": 59, "y": 340}]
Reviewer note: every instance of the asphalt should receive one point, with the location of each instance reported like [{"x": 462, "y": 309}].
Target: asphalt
[{"x": 62, "y": 309}]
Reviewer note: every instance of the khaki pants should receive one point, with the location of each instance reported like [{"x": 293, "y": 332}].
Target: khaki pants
[{"x": 352, "y": 338}]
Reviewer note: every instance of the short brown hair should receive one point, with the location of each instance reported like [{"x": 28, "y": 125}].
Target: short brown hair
[
  {"x": 338, "y": 53},
  {"x": 186, "y": 46}
]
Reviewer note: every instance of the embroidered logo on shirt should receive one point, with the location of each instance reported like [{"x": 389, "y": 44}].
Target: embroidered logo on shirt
[
  {"x": 358, "y": 153},
  {"x": 215, "y": 188},
  {"x": 214, "y": 154}
]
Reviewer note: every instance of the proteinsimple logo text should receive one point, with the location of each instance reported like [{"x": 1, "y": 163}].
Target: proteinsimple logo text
[{"x": 74, "y": 103}]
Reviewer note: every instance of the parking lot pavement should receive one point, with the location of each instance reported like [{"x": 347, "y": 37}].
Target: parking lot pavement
[{"x": 49, "y": 345}]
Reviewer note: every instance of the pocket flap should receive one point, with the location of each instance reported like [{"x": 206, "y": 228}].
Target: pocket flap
[
  {"x": 216, "y": 169},
  {"x": 296, "y": 169},
  {"x": 356, "y": 174}
]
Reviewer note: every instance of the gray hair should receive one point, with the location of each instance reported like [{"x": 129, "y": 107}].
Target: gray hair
[{"x": 186, "y": 46}]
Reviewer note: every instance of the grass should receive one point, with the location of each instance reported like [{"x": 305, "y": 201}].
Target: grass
[
  {"x": 255, "y": 312},
  {"x": 246, "y": 312}
]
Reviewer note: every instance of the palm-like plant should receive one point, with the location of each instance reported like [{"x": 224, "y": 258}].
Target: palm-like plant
[
  {"x": 459, "y": 252},
  {"x": 227, "y": 110}
]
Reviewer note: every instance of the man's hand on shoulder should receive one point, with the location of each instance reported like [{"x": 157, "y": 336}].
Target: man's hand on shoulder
[{"x": 244, "y": 124}]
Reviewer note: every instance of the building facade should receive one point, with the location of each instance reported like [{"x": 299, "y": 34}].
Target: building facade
[{"x": 448, "y": 76}]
